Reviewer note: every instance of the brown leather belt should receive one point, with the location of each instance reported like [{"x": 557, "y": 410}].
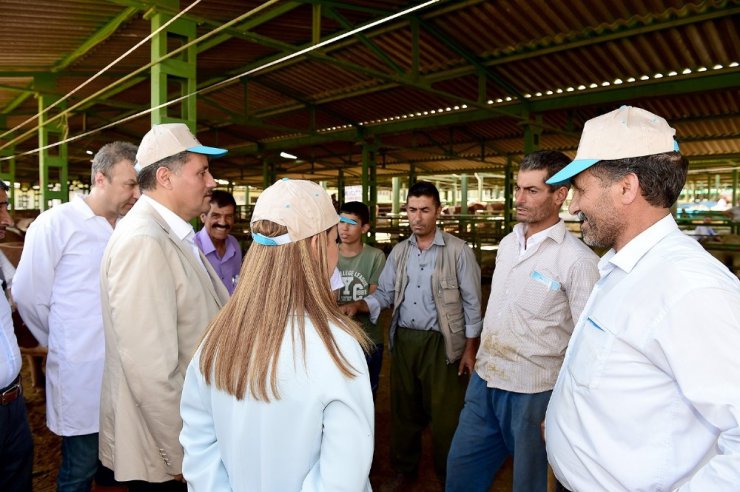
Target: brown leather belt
[{"x": 11, "y": 393}]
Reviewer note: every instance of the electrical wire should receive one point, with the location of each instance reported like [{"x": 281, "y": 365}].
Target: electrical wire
[{"x": 228, "y": 81}]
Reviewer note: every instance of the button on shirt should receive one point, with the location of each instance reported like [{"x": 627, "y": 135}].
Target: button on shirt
[
  {"x": 57, "y": 291},
  {"x": 418, "y": 310},
  {"x": 10, "y": 354},
  {"x": 228, "y": 266},
  {"x": 649, "y": 394},
  {"x": 537, "y": 294}
]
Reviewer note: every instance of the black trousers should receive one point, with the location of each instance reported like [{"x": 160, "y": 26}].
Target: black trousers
[
  {"x": 16, "y": 447},
  {"x": 171, "y": 486}
]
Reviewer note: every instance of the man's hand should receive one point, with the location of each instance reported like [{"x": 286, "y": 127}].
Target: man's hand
[
  {"x": 352, "y": 308},
  {"x": 349, "y": 309},
  {"x": 467, "y": 362}
]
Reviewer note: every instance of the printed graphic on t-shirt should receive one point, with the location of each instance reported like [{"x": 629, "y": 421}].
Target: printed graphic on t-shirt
[{"x": 355, "y": 286}]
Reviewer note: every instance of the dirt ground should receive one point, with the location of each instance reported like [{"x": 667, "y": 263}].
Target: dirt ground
[{"x": 47, "y": 446}]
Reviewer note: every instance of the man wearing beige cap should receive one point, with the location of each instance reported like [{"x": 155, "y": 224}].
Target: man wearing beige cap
[
  {"x": 648, "y": 395},
  {"x": 158, "y": 294}
]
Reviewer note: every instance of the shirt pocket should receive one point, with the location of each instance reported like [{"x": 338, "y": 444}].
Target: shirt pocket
[
  {"x": 589, "y": 352},
  {"x": 542, "y": 295}
]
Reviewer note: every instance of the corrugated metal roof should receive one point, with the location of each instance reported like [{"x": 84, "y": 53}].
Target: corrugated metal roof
[{"x": 485, "y": 71}]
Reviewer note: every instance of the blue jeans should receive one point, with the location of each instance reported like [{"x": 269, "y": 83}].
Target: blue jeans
[
  {"x": 79, "y": 463},
  {"x": 493, "y": 425}
]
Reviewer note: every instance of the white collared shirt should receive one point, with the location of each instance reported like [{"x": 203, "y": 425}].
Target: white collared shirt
[
  {"x": 649, "y": 394},
  {"x": 10, "y": 354},
  {"x": 182, "y": 229},
  {"x": 57, "y": 291}
]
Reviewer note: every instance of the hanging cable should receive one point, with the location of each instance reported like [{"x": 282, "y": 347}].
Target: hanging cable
[
  {"x": 123, "y": 79},
  {"x": 228, "y": 81}
]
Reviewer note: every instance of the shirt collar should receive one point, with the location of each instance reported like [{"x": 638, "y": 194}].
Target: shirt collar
[
  {"x": 181, "y": 228},
  {"x": 438, "y": 240},
  {"x": 206, "y": 244},
  {"x": 630, "y": 254},
  {"x": 556, "y": 232},
  {"x": 81, "y": 205}
]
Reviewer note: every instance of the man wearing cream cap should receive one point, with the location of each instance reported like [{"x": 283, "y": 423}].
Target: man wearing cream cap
[
  {"x": 158, "y": 295},
  {"x": 648, "y": 395}
]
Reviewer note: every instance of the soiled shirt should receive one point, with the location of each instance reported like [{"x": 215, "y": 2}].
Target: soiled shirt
[
  {"x": 57, "y": 291},
  {"x": 227, "y": 266},
  {"x": 648, "y": 398},
  {"x": 537, "y": 294}
]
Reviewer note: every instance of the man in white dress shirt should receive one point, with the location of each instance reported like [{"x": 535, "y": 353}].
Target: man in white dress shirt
[
  {"x": 57, "y": 291},
  {"x": 648, "y": 397},
  {"x": 158, "y": 294}
]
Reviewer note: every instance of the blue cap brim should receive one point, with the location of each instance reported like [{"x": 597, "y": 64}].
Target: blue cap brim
[
  {"x": 203, "y": 149},
  {"x": 347, "y": 220},
  {"x": 564, "y": 175}
]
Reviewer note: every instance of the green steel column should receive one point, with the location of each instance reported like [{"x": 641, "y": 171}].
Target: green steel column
[
  {"x": 176, "y": 76},
  {"x": 412, "y": 174},
  {"x": 464, "y": 194},
  {"x": 369, "y": 183},
  {"x": 53, "y": 168},
  {"x": 268, "y": 172},
  {"x": 532, "y": 133},
  {"x": 396, "y": 197},
  {"x": 7, "y": 168},
  {"x": 735, "y": 191},
  {"x": 508, "y": 196},
  {"x": 340, "y": 186}
]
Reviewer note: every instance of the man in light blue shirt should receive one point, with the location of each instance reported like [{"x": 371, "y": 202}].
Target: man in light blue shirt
[{"x": 16, "y": 452}]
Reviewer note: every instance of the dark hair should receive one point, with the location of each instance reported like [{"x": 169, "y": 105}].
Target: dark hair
[
  {"x": 550, "y": 160},
  {"x": 4, "y": 186},
  {"x": 109, "y": 155},
  {"x": 223, "y": 199},
  {"x": 357, "y": 208},
  {"x": 661, "y": 176},
  {"x": 425, "y": 188},
  {"x": 148, "y": 175}
]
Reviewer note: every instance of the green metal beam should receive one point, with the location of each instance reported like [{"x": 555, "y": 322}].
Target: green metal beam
[
  {"x": 374, "y": 49},
  {"x": 613, "y": 94},
  {"x": 179, "y": 71},
  {"x": 96, "y": 38},
  {"x": 53, "y": 165}
]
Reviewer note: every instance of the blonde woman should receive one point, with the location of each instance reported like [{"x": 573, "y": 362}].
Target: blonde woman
[{"x": 277, "y": 397}]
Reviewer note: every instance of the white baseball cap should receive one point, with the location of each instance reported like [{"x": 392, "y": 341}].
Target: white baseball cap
[
  {"x": 169, "y": 139},
  {"x": 623, "y": 133},
  {"x": 304, "y": 207}
]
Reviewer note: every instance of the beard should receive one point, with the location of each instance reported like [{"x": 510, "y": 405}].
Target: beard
[{"x": 602, "y": 231}]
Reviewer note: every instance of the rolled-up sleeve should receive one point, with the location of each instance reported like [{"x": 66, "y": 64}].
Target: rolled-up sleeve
[
  {"x": 468, "y": 278},
  {"x": 384, "y": 295}
]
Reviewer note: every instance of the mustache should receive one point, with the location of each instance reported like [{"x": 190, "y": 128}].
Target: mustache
[{"x": 219, "y": 226}]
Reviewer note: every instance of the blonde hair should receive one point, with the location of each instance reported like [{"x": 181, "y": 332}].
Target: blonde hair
[{"x": 278, "y": 287}]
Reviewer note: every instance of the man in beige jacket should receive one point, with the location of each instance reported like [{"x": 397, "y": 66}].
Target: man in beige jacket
[{"x": 158, "y": 294}]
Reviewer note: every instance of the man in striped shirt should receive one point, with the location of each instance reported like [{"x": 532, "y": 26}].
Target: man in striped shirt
[{"x": 542, "y": 280}]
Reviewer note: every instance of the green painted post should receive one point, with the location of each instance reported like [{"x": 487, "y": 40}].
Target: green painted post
[
  {"x": 508, "y": 196},
  {"x": 464, "y": 194},
  {"x": 340, "y": 186},
  {"x": 178, "y": 73},
  {"x": 7, "y": 168},
  {"x": 396, "y": 195},
  {"x": 53, "y": 166}
]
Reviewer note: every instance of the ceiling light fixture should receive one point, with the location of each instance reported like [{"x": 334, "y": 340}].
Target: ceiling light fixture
[{"x": 285, "y": 155}]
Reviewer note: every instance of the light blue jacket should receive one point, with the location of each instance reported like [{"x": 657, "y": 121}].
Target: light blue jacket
[{"x": 318, "y": 436}]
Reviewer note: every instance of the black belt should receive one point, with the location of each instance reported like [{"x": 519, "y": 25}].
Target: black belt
[{"x": 11, "y": 392}]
